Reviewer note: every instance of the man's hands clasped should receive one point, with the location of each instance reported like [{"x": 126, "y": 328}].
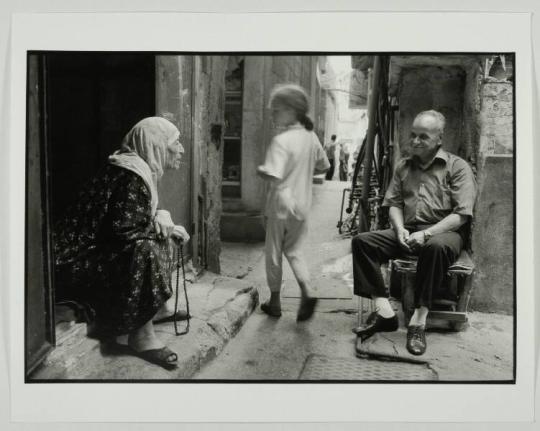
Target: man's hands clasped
[{"x": 410, "y": 242}]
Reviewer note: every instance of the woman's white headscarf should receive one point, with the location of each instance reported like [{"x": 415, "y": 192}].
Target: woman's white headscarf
[{"x": 144, "y": 151}]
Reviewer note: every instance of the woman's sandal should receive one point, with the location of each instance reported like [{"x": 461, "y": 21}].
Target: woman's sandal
[
  {"x": 159, "y": 357},
  {"x": 307, "y": 307},
  {"x": 270, "y": 310},
  {"x": 180, "y": 315}
]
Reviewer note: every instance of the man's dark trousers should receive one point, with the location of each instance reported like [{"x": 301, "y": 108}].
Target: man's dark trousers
[
  {"x": 330, "y": 171},
  {"x": 371, "y": 249}
]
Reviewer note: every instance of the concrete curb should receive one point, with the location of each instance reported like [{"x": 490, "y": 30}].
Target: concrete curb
[{"x": 219, "y": 307}]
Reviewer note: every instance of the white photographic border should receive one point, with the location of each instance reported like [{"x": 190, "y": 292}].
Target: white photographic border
[{"x": 273, "y": 32}]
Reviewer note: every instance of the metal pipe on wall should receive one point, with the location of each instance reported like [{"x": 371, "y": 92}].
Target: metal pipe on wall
[{"x": 370, "y": 138}]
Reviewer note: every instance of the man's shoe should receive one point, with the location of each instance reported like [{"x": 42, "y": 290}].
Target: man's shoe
[
  {"x": 416, "y": 340},
  {"x": 377, "y": 324}
]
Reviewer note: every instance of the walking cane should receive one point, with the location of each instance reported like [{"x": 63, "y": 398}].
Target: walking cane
[{"x": 180, "y": 264}]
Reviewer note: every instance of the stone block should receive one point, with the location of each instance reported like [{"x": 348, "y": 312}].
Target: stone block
[
  {"x": 493, "y": 107},
  {"x": 500, "y": 90}
]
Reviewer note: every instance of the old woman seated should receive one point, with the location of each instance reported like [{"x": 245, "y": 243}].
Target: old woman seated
[{"x": 112, "y": 248}]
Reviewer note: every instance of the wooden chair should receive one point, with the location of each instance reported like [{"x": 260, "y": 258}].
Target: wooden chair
[{"x": 453, "y": 312}]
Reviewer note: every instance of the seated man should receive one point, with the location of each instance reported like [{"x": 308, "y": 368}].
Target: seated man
[{"x": 430, "y": 199}]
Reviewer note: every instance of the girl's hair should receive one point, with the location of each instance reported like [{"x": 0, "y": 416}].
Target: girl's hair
[{"x": 294, "y": 97}]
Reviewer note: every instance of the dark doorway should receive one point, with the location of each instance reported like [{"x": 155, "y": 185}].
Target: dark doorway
[
  {"x": 92, "y": 102},
  {"x": 79, "y": 107}
]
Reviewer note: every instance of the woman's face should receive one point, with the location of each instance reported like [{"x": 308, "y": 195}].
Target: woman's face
[
  {"x": 176, "y": 150},
  {"x": 283, "y": 115}
]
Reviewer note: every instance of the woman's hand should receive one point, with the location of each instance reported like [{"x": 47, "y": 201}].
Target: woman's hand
[
  {"x": 163, "y": 224},
  {"x": 179, "y": 234}
]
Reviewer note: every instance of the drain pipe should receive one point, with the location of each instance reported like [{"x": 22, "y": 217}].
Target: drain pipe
[{"x": 370, "y": 136}]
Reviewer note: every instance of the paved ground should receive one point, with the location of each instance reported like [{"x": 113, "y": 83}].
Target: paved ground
[{"x": 278, "y": 349}]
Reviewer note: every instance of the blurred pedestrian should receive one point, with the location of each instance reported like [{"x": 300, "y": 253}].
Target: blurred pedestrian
[
  {"x": 344, "y": 161},
  {"x": 330, "y": 150},
  {"x": 291, "y": 160}
]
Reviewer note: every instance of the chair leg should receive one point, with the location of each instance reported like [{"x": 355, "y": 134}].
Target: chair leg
[
  {"x": 465, "y": 282},
  {"x": 407, "y": 297},
  {"x": 465, "y": 294}
]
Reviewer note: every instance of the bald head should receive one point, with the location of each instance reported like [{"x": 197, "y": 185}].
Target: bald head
[
  {"x": 430, "y": 120},
  {"x": 426, "y": 135}
]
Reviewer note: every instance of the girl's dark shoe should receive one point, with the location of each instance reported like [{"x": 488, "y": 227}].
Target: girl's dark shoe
[
  {"x": 377, "y": 324},
  {"x": 307, "y": 307},
  {"x": 271, "y": 310},
  {"x": 416, "y": 340}
]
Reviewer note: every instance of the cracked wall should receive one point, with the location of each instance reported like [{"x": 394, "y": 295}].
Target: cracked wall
[
  {"x": 209, "y": 118},
  {"x": 493, "y": 228}
]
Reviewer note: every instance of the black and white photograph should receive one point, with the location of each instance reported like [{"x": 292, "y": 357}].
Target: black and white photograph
[
  {"x": 272, "y": 217},
  {"x": 243, "y": 217}
]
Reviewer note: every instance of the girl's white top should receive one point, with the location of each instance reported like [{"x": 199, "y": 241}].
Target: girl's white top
[{"x": 292, "y": 158}]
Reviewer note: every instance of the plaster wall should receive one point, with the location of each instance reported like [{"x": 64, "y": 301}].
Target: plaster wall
[
  {"x": 493, "y": 229},
  {"x": 492, "y": 237},
  {"x": 424, "y": 88}
]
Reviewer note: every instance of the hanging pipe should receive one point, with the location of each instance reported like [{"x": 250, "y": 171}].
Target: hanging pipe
[{"x": 370, "y": 136}]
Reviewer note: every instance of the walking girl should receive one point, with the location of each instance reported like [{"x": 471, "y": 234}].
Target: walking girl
[{"x": 291, "y": 160}]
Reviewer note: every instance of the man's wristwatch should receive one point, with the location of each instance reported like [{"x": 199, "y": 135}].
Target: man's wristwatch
[{"x": 427, "y": 235}]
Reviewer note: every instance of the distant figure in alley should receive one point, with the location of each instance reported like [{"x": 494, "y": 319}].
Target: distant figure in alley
[
  {"x": 344, "y": 153},
  {"x": 430, "y": 199},
  {"x": 330, "y": 149},
  {"x": 291, "y": 160}
]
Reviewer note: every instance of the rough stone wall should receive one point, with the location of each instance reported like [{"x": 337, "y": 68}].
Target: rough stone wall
[
  {"x": 173, "y": 101},
  {"x": 471, "y": 111},
  {"x": 254, "y": 107},
  {"x": 496, "y": 119},
  {"x": 210, "y": 94},
  {"x": 493, "y": 229}
]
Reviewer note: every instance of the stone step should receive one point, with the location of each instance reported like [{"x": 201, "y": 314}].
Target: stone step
[{"x": 219, "y": 306}]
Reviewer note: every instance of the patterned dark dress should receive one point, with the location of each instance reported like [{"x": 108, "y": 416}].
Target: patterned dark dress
[{"x": 107, "y": 254}]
